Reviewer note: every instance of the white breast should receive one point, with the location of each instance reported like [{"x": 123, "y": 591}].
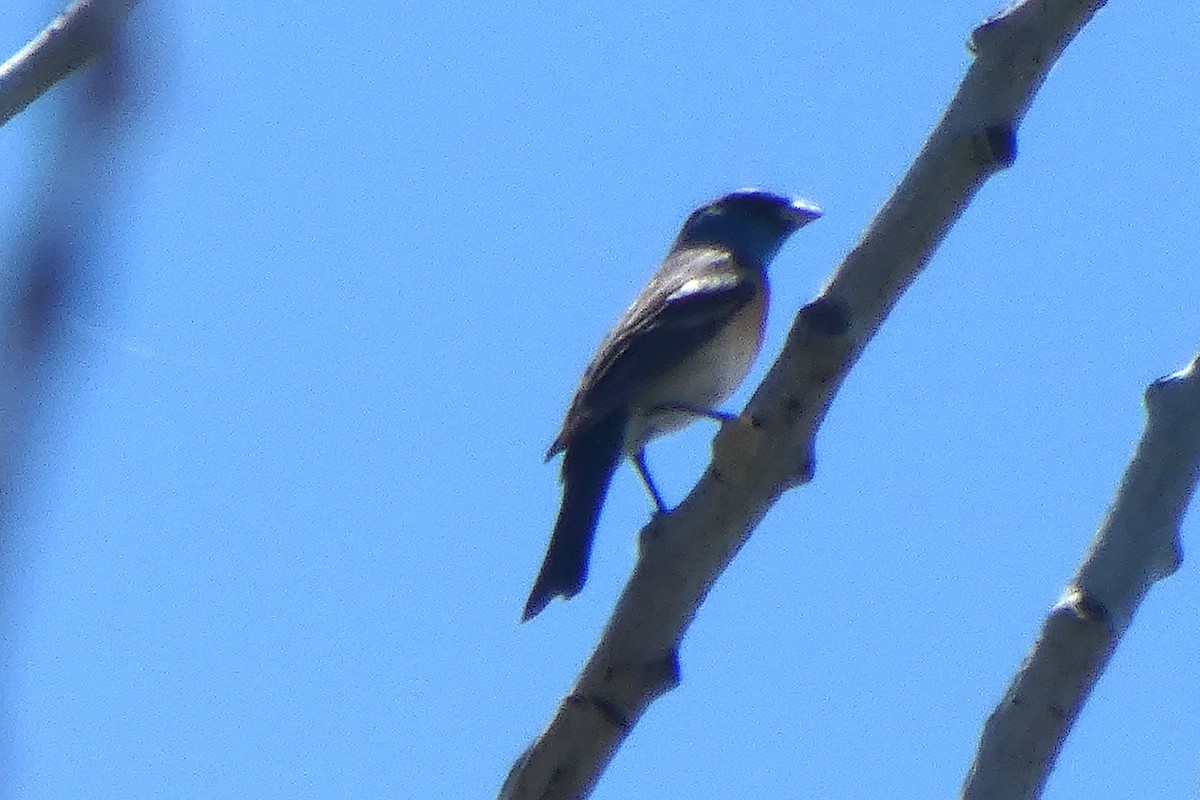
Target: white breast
[{"x": 704, "y": 381}]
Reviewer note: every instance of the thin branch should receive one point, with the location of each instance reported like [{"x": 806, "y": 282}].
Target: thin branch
[
  {"x": 1136, "y": 545},
  {"x": 49, "y": 261},
  {"x": 79, "y": 34},
  {"x": 770, "y": 451}
]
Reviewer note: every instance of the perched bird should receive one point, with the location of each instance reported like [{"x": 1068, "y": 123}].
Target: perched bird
[{"x": 680, "y": 350}]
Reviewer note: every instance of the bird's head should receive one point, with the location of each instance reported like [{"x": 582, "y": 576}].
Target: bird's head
[{"x": 753, "y": 223}]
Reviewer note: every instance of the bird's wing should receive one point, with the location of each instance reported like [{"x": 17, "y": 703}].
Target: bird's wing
[{"x": 688, "y": 300}]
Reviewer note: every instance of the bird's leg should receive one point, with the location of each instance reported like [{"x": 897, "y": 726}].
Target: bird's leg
[
  {"x": 639, "y": 461},
  {"x": 696, "y": 411}
]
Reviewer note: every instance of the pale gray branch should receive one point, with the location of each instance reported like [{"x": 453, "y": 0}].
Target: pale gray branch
[
  {"x": 79, "y": 34},
  {"x": 52, "y": 257},
  {"x": 754, "y": 461},
  {"x": 1136, "y": 545}
]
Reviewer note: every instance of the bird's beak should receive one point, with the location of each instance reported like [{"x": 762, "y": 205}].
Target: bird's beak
[{"x": 802, "y": 212}]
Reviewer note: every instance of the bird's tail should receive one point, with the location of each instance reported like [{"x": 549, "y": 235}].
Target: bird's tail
[{"x": 588, "y": 466}]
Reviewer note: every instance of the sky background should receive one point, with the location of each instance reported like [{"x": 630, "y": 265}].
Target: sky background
[{"x": 289, "y": 500}]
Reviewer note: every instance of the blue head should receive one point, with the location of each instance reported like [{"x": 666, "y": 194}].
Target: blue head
[{"x": 752, "y": 223}]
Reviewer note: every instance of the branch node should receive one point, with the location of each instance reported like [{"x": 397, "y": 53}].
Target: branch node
[
  {"x": 651, "y": 530},
  {"x": 606, "y": 708},
  {"x": 826, "y": 316},
  {"x": 994, "y": 29},
  {"x": 670, "y": 670},
  {"x": 1001, "y": 142},
  {"x": 1086, "y": 608},
  {"x": 805, "y": 469},
  {"x": 808, "y": 467}
]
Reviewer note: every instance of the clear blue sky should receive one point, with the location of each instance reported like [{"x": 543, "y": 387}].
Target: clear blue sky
[{"x": 291, "y": 498}]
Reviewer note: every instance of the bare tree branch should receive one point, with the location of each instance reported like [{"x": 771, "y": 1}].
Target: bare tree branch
[
  {"x": 1136, "y": 545},
  {"x": 79, "y": 34},
  {"x": 49, "y": 261},
  {"x": 49, "y": 255},
  {"x": 770, "y": 449}
]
